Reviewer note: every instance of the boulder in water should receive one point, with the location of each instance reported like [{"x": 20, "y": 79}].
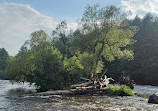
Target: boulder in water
[{"x": 153, "y": 98}]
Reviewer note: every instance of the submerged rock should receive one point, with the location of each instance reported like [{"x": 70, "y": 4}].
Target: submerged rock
[{"x": 153, "y": 98}]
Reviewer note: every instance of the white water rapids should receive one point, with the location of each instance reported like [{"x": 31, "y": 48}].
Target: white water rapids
[{"x": 10, "y": 100}]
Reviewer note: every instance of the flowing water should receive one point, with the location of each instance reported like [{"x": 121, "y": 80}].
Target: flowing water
[{"x": 11, "y": 101}]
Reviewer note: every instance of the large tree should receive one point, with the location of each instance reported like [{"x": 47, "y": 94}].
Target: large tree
[
  {"x": 144, "y": 68},
  {"x": 103, "y": 33},
  {"x": 62, "y": 37},
  {"x": 3, "y": 62},
  {"x": 40, "y": 63},
  {"x": 3, "y": 58}
]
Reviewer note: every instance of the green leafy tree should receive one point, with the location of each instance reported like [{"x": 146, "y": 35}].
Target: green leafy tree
[
  {"x": 40, "y": 63},
  {"x": 144, "y": 67},
  {"x": 74, "y": 69},
  {"x": 3, "y": 58},
  {"x": 3, "y": 62},
  {"x": 104, "y": 33},
  {"x": 62, "y": 38}
]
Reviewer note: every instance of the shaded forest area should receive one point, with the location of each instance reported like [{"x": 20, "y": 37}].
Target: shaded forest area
[
  {"x": 3, "y": 63},
  {"x": 105, "y": 42},
  {"x": 143, "y": 69}
]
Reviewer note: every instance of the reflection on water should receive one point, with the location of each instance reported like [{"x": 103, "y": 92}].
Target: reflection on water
[{"x": 10, "y": 100}]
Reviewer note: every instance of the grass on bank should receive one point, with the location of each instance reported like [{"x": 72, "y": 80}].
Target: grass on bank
[{"x": 122, "y": 90}]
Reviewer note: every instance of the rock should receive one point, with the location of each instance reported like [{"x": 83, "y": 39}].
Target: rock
[{"x": 153, "y": 98}]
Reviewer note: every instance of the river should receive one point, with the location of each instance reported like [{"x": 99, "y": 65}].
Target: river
[{"x": 10, "y": 100}]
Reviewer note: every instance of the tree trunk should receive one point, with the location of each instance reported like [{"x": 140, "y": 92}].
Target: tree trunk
[{"x": 98, "y": 58}]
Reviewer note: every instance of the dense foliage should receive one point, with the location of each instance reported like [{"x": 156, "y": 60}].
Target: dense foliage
[
  {"x": 54, "y": 63},
  {"x": 143, "y": 69},
  {"x": 104, "y": 33},
  {"x": 105, "y": 41},
  {"x": 3, "y": 62},
  {"x": 119, "y": 91},
  {"x": 62, "y": 38},
  {"x": 40, "y": 63}
]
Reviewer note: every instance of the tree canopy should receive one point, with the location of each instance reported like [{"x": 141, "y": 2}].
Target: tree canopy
[
  {"x": 38, "y": 62},
  {"x": 3, "y": 62},
  {"x": 104, "y": 33},
  {"x": 54, "y": 62}
]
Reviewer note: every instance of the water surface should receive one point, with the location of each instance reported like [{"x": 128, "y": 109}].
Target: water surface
[{"x": 10, "y": 100}]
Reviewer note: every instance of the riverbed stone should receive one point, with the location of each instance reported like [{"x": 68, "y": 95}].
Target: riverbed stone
[{"x": 153, "y": 98}]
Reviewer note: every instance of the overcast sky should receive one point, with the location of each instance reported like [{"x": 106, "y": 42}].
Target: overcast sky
[{"x": 19, "y": 18}]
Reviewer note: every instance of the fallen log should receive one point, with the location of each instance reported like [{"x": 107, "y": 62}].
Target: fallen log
[
  {"x": 69, "y": 92},
  {"x": 91, "y": 91},
  {"x": 82, "y": 88},
  {"x": 76, "y": 89},
  {"x": 82, "y": 84}
]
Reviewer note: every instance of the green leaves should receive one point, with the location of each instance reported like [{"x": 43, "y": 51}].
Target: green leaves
[
  {"x": 40, "y": 63},
  {"x": 104, "y": 33},
  {"x": 74, "y": 68},
  {"x": 3, "y": 58},
  {"x": 72, "y": 63},
  {"x": 3, "y": 62},
  {"x": 119, "y": 91},
  {"x": 61, "y": 38}
]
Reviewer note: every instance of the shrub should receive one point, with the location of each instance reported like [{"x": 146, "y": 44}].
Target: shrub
[{"x": 122, "y": 90}]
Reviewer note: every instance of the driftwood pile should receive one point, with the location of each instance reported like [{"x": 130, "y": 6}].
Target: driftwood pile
[
  {"x": 78, "y": 89},
  {"x": 83, "y": 86},
  {"x": 91, "y": 87}
]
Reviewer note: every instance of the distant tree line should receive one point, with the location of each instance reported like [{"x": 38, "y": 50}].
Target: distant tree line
[
  {"x": 3, "y": 62},
  {"x": 104, "y": 42},
  {"x": 144, "y": 68}
]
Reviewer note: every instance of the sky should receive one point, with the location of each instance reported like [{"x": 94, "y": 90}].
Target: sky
[{"x": 19, "y": 18}]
